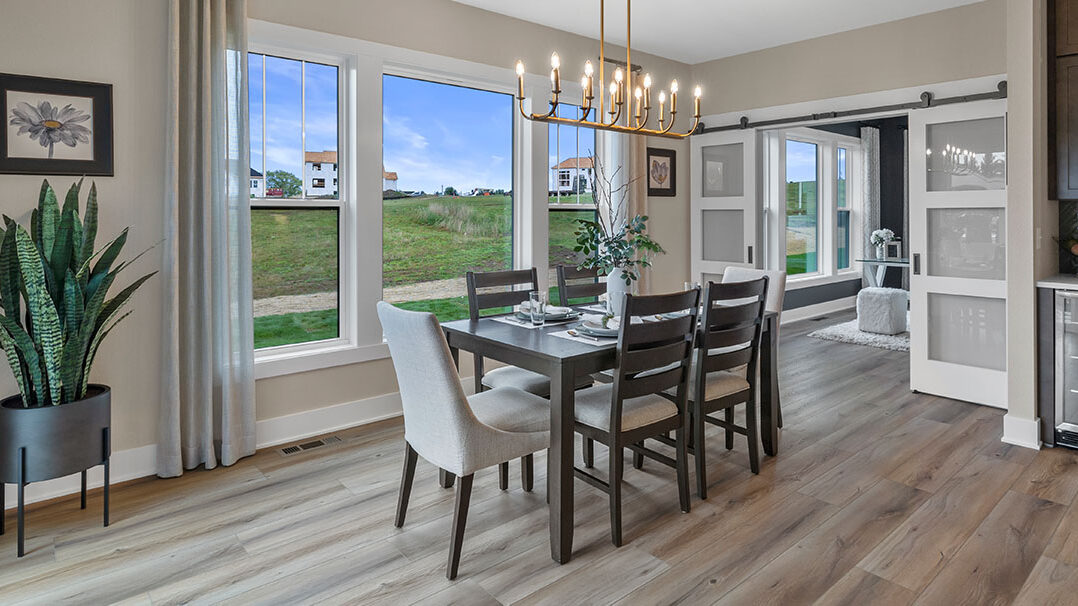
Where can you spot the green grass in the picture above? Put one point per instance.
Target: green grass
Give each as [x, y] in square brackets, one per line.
[299, 327]
[293, 251]
[803, 263]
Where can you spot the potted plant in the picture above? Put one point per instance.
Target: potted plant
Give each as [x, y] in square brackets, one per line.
[880, 238]
[616, 245]
[54, 288]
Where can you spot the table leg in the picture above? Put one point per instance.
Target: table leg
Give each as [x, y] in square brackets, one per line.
[560, 463]
[881, 273]
[769, 389]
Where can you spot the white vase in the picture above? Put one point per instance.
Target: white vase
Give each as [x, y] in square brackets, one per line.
[881, 251]
[616, 289]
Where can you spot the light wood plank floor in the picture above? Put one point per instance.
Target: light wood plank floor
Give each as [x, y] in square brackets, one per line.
[878, 496]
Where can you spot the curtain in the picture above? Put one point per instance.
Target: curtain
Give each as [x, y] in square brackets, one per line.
[207, 405]
[870, 142]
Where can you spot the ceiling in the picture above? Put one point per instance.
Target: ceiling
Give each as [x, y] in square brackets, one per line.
[694, 31]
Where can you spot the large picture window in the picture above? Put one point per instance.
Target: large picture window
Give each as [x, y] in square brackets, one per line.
[447, 205]
[572, 189]
[295, 204]
[802, 218]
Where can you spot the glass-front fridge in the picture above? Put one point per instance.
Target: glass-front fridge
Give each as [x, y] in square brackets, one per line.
[1066, 368]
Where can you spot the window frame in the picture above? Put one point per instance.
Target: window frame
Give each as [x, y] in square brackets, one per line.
[827, 143]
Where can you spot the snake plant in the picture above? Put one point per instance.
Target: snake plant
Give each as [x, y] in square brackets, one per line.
[54, 295]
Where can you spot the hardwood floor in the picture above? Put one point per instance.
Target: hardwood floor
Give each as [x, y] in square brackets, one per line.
[878, 496]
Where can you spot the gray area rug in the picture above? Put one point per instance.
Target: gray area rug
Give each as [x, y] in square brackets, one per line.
[847, 332]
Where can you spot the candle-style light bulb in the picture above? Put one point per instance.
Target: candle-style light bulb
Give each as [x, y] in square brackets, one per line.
[588, 69]
[673, 98]
[928, 151]
[555, 60]
[584, 85]
[696, 94]
[613, 97]
[639, 94]
[520, 68]
[673, 87]
[647, 80]
[662, 102]
[618, 75]
[520, 79]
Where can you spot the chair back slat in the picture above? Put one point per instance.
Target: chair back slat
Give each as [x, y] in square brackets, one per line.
[585, 285]
[733, 316]
[655, 357]
[642, 385]
[656, 332]
[510, 280]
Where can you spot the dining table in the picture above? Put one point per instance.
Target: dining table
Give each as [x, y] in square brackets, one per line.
[564, 360]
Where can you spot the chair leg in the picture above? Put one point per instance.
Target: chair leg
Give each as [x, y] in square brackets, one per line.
[729, 433]
[407, 476]
[616, 454]
[589, 453]
[682, 435]
[527, 472]
[638, 459]
[445, 479]
[752, 435]
[778, 407]
[503, 475]
[699, 453]
[460, 518]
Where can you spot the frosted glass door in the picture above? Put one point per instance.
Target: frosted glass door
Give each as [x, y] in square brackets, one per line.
[723, 202]
[958, 243]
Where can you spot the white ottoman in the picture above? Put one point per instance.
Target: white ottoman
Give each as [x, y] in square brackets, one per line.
[882, 310]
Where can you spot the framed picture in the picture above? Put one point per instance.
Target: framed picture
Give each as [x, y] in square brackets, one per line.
[55, 127]
[662, 172]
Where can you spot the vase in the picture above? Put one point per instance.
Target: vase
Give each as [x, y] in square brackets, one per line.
[881, 251]
[616, 289]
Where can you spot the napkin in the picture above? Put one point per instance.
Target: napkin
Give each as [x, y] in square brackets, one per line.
[525, 306]
[614, 323]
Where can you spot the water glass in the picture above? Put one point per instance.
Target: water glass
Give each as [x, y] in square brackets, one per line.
[691, 285]
[537, 307]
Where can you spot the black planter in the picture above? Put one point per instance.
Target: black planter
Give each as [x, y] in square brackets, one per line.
[54, 441]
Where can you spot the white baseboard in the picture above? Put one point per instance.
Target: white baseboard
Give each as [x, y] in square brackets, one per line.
[1022, 432]
[141, 462]
[819, 309]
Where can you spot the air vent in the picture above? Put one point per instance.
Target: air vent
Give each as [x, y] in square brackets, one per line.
[293, 449]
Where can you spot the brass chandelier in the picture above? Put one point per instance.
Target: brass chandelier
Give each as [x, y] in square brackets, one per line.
[618, 118]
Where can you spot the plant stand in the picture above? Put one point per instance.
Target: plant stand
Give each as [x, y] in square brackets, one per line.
[38, 444]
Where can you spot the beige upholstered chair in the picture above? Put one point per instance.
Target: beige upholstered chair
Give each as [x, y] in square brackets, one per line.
[776, 293]
[456, 433]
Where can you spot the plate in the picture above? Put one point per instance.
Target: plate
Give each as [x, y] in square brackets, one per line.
[597, 330]
[550, 317]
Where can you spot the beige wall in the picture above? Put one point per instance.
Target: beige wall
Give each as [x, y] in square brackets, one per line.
[948, 45]
[124, 43]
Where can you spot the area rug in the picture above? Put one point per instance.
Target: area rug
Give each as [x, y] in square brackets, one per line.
[847, 332]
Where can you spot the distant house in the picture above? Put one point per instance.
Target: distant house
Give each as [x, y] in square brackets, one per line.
[572, 176]
[258, 184]
[389, 180]
[320, 174]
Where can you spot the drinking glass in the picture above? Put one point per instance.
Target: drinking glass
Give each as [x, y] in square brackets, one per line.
[537, 307]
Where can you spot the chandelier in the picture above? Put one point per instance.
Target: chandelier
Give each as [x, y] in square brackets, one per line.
[622, 116]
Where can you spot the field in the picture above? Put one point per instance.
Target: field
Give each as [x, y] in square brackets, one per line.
[425, 239]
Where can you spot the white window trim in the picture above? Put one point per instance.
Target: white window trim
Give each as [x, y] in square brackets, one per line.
[827, 213]
[360, 146]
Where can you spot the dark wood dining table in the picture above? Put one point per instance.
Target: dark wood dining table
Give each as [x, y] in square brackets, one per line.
[563, 360]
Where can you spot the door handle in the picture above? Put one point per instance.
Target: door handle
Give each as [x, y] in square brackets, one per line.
[916, 264]
[750, 254]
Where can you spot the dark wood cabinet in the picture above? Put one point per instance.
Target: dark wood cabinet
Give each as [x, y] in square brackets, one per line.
[1066, 127]
[1066, 25]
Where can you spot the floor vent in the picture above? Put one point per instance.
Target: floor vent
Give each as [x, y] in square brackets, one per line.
[290, 450]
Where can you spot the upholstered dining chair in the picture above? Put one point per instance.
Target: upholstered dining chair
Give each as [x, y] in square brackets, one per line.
[456, 433]
[513, 288]
[724, 368]
[575, 283]
[652, 356]
[776, 293]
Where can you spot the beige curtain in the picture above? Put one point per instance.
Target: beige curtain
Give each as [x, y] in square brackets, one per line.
[638, 193]
[207, 405]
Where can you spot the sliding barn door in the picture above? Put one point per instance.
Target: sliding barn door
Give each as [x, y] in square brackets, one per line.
[958, 215]
[723, 202]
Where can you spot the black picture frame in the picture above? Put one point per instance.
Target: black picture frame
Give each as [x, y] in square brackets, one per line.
[667, 157]
[101, 164]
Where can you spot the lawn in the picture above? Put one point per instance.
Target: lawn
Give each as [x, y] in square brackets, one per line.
[424, 239]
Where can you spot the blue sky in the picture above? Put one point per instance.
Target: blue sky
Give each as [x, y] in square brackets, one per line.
[800, 161]
[433, 135]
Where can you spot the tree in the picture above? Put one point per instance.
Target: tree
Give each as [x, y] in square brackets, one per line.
[289, 184]
[450, 191]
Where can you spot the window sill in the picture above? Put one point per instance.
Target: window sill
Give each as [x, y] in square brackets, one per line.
[819, 280]
[270, 363]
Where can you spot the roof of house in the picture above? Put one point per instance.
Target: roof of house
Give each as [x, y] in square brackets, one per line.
[322, 156]
[255, 174]
[577, 163]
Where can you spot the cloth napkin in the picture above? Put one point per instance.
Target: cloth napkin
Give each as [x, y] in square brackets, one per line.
[613, 324]
[525, 306]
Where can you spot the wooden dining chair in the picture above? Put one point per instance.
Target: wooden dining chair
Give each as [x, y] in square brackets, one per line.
[457, 433]
[776, 292]
[724, 368]
[651, 357]
[576, 283]
[497, 290]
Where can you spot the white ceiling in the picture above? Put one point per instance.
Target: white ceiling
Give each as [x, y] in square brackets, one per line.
[694, 31]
